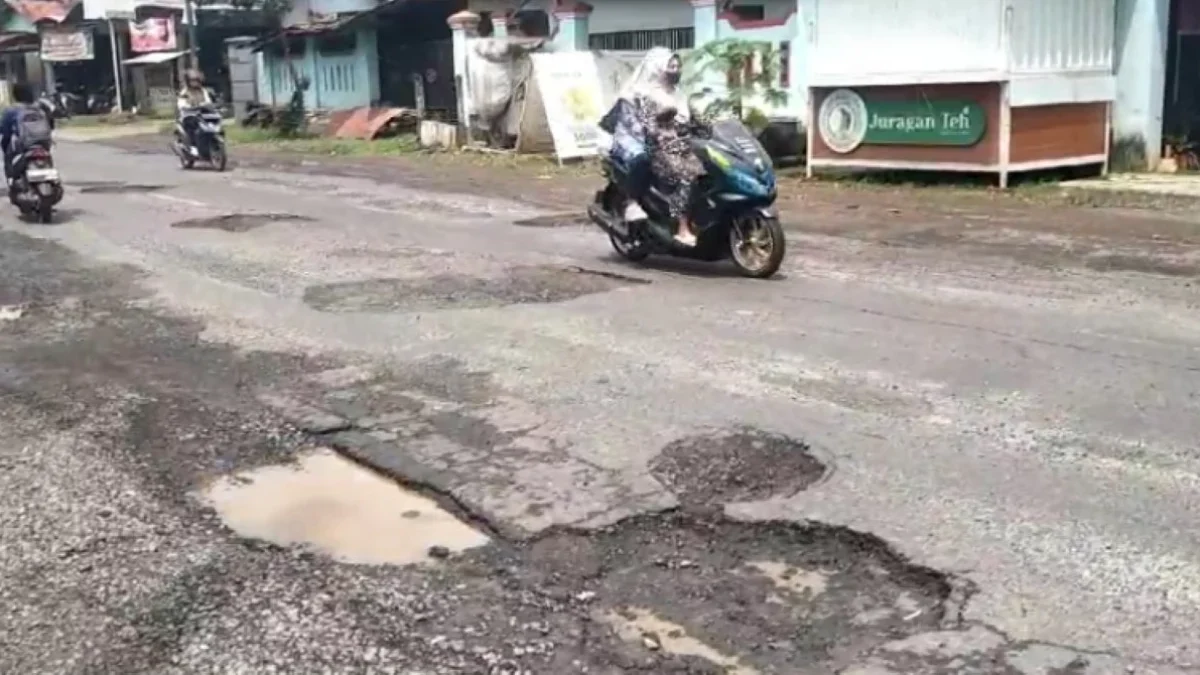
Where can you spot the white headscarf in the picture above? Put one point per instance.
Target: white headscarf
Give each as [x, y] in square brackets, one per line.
[649, 80]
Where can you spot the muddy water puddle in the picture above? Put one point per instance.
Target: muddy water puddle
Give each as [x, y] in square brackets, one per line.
[327, 503]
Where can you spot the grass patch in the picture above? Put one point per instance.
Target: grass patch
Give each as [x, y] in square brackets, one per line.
[540, 166]
[543, 166]
[93, 121]
[320, 145]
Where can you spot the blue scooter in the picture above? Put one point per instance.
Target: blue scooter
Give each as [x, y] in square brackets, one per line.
[733, 213]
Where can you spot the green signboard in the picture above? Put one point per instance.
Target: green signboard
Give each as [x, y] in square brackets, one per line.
[924, 123]
[847, 120]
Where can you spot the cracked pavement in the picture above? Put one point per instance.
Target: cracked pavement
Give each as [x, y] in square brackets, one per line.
[894, 459]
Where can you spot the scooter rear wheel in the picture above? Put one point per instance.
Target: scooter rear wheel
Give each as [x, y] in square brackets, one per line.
[217, 156]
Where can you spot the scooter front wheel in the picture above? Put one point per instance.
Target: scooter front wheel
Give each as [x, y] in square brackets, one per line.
[757, 245]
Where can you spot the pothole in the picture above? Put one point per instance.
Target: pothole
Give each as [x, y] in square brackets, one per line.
[742, 465]
[555, 220]
[114, 187]
[1114, 262]
[518, 285]
[695, 593]
[331, 505]
[237, 222]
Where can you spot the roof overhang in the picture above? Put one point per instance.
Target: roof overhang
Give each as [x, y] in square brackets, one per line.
[153, 58]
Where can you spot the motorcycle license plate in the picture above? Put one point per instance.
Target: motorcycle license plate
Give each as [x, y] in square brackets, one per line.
[210, 128]
[41, 175]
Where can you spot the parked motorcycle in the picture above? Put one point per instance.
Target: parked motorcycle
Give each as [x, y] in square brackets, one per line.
[734, 217]
[209, 136]
[53, 104]
[101, 102]
[36, 187]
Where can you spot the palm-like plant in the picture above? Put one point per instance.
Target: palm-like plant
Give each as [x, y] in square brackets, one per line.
[751, 71]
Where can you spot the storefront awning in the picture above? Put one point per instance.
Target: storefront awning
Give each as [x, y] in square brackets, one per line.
[19, 42]
[153, 58]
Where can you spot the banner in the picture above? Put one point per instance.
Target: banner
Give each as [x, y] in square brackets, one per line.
[152, 35]
[73, 44]
[573, 98]
[43, 10]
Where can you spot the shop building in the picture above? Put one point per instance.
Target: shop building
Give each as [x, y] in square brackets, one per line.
[981, 86]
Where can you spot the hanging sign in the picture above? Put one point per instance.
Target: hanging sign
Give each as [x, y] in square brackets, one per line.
[67, 44]
[846, 120]
[152, 35]
[43, 10]
[569, 84]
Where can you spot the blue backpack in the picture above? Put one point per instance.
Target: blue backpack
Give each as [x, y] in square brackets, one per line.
[628, 134]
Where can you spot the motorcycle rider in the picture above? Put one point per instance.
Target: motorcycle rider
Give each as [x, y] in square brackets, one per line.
[193, 95]
[664, 111]
[22, 127]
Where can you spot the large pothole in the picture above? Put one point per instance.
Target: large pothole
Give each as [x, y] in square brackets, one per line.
[326, 503]
[707, 594]
[518, 285]
[237, 222]
[708, 471]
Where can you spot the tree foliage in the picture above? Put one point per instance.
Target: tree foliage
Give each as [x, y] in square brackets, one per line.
[751, 74]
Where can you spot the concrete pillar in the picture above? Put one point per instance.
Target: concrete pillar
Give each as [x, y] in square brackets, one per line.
[463, 26]
[705, 29]
[49, 81]
[704, 21]
[312, 69]
[572, 17]
[1141, 68]
[368, 41]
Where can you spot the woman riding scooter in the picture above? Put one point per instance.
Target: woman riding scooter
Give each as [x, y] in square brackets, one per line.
[664, 112]
[193, 96]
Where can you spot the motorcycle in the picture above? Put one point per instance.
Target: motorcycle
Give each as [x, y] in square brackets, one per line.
[210, 139]
[36, 187]
[54, 106]
[733, 215]
[101, 102]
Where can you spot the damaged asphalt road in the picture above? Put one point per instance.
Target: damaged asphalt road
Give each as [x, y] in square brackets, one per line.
[567, 482]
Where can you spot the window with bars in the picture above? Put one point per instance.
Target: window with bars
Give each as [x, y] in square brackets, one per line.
[642, 40]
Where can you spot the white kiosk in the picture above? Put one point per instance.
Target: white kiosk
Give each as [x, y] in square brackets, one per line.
[989, 86]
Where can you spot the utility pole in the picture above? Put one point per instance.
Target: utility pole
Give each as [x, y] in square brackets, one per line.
[116, 62]
[189, 17]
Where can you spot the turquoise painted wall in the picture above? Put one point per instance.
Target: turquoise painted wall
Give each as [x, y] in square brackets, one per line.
[339, 81]
[16, 23]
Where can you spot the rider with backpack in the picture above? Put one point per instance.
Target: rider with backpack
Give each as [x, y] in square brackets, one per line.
[22, 127]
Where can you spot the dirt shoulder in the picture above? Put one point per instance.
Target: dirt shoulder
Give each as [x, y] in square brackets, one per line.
[1041, 225]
